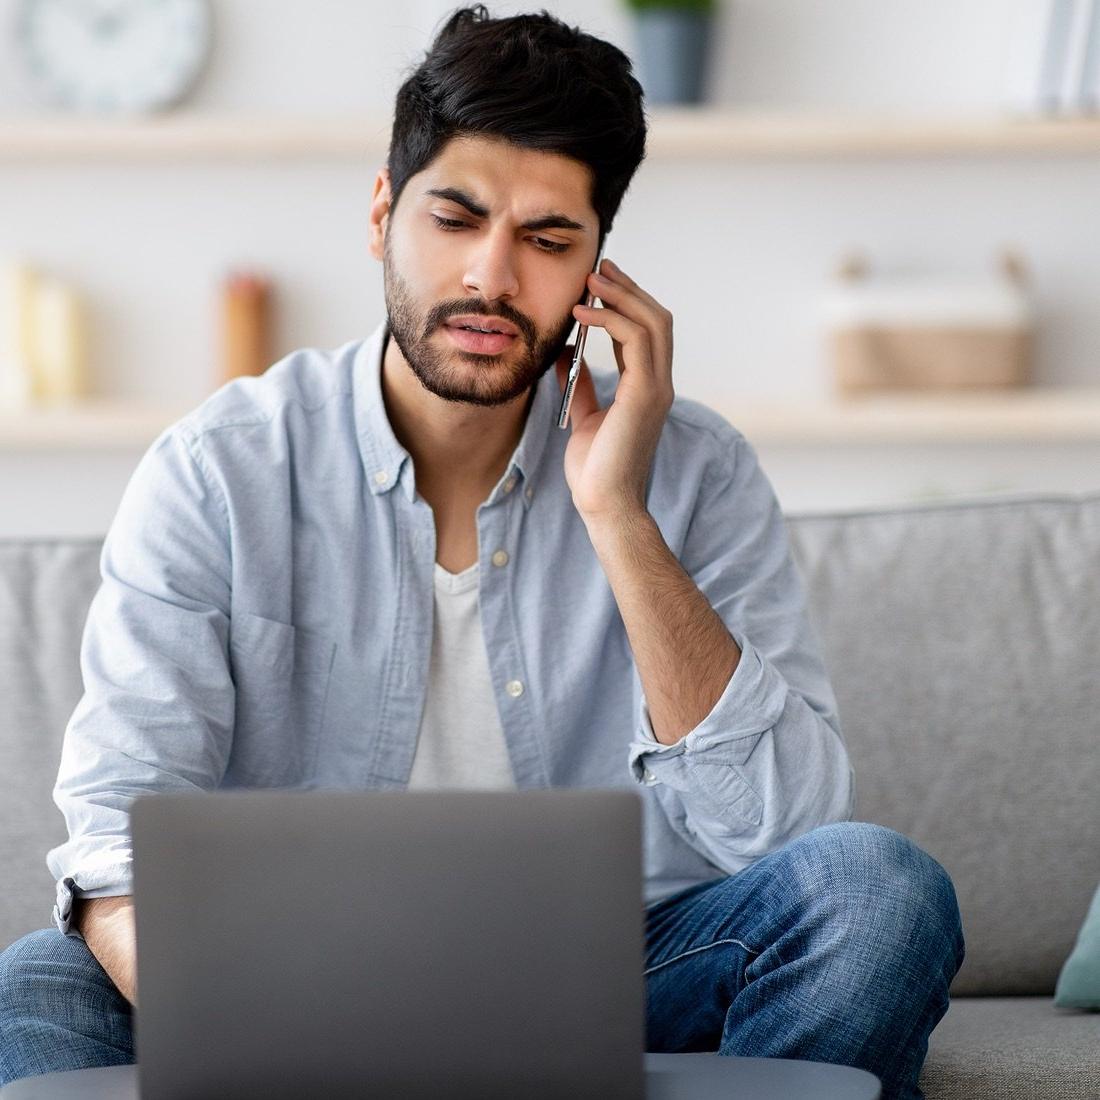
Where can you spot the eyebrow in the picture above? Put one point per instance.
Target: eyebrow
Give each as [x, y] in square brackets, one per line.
[547, 221]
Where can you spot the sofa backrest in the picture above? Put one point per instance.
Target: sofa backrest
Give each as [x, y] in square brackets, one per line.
[962, 641]
[45, 589]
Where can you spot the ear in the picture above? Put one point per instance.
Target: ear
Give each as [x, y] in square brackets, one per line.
[379, 213]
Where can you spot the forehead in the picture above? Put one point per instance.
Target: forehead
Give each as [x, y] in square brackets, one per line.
[502, 174]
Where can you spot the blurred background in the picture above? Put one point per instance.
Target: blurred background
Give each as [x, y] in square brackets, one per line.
[875, 222]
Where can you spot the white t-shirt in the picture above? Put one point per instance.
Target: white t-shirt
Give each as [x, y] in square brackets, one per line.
[461, 743]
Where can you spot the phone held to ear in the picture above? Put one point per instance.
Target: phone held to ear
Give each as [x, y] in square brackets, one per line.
[578, 353]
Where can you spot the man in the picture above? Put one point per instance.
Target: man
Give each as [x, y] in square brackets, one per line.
[385, 566]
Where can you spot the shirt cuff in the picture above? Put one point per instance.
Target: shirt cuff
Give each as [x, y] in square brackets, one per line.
[751, 703]
[106, 882]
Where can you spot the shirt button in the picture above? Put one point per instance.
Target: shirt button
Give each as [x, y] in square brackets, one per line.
[514, 688]
[510, 484]
[381, 477]
[500, 557]
[530, 492]
[649, 777]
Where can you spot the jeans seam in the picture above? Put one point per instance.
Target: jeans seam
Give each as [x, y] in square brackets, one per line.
[695, 951]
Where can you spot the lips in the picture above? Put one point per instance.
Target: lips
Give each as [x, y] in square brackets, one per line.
[484, 322]
[480, 343]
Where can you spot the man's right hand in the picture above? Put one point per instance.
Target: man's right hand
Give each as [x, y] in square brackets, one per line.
[107, 925]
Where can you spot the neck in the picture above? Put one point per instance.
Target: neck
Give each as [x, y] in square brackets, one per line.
[459, 451]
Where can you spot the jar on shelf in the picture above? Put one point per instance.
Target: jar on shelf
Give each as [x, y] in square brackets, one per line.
[246, 318]
[43, 339]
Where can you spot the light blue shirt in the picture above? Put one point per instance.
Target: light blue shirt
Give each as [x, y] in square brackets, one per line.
[265, 620]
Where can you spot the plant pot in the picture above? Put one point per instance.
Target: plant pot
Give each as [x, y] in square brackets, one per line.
[672, 54]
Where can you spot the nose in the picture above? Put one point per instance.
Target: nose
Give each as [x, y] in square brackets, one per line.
[491, 270]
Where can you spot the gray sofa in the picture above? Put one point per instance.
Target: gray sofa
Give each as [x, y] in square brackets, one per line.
[963, 642]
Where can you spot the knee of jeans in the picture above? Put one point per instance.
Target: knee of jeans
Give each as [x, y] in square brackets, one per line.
[861, 856]
[21, 969]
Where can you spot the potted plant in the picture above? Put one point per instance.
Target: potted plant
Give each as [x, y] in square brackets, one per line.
[672, 37]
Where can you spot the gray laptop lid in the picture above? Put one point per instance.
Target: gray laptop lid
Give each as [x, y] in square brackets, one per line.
[389, 943]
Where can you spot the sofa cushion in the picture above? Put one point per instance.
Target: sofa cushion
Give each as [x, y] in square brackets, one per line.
[1012, 1048]
[961, 639]
[1079, 982]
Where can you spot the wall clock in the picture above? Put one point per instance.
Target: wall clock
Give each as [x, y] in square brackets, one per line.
[113, 56]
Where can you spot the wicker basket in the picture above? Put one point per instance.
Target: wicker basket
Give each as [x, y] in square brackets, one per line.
[920, 335]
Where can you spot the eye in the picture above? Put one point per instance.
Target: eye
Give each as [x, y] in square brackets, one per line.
[447, 223]
[450, 225]
[551, 246]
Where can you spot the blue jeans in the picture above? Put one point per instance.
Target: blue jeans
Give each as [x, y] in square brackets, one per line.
[839, 947]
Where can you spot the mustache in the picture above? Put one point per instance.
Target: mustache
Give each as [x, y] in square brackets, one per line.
[439, 315]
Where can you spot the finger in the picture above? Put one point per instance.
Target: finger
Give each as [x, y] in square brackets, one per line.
[659, 320]
[637, 308]
[615, 274]
[630, 334]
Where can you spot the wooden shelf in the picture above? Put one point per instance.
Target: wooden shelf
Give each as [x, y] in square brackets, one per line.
[1050, 415]
[1037, 415]
[700, 132]
[99, 425]
[718, 133]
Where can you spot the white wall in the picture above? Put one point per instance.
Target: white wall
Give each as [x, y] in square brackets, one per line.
[738, 250]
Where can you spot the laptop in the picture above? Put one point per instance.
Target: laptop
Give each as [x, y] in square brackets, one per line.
[389, 944]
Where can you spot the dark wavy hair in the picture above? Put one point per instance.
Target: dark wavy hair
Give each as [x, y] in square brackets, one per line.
[532, 80]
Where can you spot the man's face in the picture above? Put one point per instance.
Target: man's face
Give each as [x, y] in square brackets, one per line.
[443, 261]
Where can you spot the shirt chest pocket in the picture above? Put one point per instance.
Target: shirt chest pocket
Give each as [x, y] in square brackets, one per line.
[282, 674]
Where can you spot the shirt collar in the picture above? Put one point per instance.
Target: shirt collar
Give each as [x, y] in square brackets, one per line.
[384, 457]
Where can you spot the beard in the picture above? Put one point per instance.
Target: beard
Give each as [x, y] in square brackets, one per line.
[457, 375]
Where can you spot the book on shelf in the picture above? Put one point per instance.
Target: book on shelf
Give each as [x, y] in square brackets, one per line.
[1088, 74]
[1075, 76]
[1055, 55]
[1071, 58]
[1053, 58]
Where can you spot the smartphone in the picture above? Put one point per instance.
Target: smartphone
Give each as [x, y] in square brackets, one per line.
[578, 353]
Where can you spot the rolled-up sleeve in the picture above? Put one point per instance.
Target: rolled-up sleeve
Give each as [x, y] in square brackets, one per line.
[158, 703]
[768, 762]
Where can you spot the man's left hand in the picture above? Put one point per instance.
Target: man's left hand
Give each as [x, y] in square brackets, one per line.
[610, 451]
